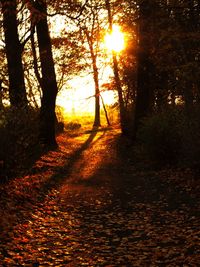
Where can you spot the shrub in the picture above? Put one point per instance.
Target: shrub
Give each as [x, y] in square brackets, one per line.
[18, 139]
[60, 127]
[171, 137]
[160, 136]
[73, 126]
[190, 132]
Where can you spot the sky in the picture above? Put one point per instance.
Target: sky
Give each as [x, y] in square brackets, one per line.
[79, 96]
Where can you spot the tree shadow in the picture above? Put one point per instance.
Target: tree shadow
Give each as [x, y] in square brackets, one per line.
[63, 172]
[59, 176]
[131, 184]
[141, 183]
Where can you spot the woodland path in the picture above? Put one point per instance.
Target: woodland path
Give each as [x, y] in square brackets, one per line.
[90, 204]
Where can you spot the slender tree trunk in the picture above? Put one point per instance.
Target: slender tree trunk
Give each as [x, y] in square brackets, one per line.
[49, 84]
[122, 110]
[17, 91]
[1, 95]
[106, 113]
[97, 121]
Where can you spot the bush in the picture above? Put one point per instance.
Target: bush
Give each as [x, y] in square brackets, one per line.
[160, 137]
[60, 127]
[73, 126]
[190, 133]
[18, 139]
[171, 137]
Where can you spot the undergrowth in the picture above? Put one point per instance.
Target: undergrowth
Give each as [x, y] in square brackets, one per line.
[18, 140]
[171, 137]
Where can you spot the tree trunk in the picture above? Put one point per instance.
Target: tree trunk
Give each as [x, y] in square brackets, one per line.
[97, 121]
[145, 79]
[1, 95]
[35, 61]
[17, 91]
[144, 90]
[106, 113]
[49, 84]
[122, 110]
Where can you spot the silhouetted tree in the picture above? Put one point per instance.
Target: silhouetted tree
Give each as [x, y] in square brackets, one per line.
[17, 91]
[48, 81]
[145, 69]
[96, 78]
[122, 111]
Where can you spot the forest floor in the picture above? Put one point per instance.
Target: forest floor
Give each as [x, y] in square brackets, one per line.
[91, 203]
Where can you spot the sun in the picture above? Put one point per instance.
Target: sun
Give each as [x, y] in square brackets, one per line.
[114, 41]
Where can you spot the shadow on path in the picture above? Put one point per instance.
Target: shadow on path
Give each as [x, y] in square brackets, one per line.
[26, 203]
[62, 173]
[143, 184]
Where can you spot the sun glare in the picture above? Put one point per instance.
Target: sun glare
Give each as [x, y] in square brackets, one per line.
[114, 41]
[79, 97]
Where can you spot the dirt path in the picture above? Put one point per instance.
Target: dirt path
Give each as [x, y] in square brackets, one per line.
[88, 205]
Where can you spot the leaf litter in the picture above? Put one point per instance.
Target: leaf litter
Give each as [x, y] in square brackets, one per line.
[86, 204]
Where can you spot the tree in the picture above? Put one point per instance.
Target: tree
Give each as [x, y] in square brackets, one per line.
[145, 65]
[88, 31]
[48, 82]
[90, 40]
[17, 91]
[122, 110]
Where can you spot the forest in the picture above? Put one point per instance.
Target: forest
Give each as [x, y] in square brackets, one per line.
[155, 77]
[109, 89]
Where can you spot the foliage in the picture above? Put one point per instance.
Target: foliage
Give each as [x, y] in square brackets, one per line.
[171, 137]
[73, 126]
[190, 130]
[18, 139]
[165, 34]
[160, 136]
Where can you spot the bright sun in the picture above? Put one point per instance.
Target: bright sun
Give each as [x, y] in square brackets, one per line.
[114, 41]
